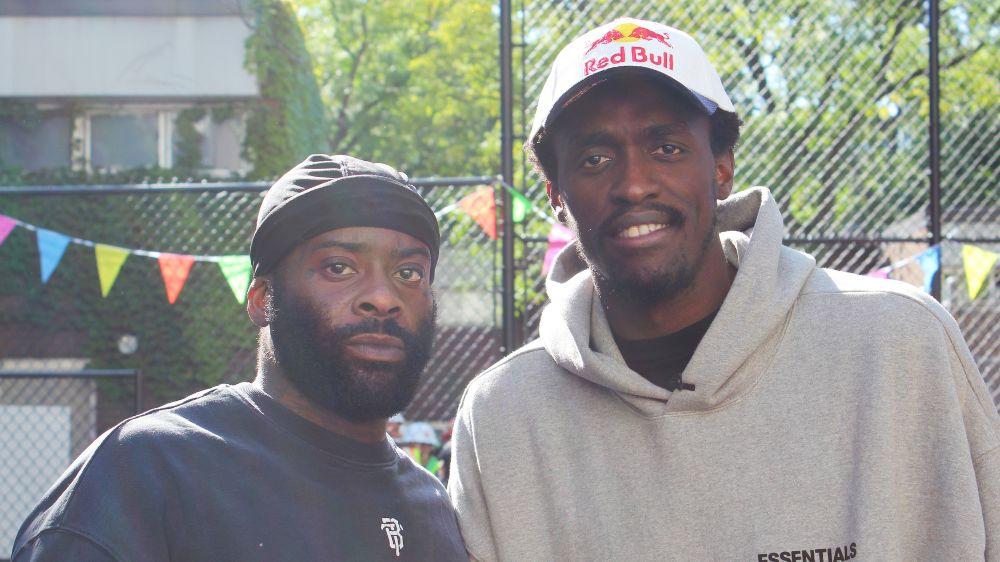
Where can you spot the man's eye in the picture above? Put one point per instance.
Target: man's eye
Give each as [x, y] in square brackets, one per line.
[668, 149]
[340, 269]
[410, 274]
[594, 161]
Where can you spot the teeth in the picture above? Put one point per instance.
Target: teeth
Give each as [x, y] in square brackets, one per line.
[640, 230]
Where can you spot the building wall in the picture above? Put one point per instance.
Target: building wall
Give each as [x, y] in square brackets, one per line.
[124, 57]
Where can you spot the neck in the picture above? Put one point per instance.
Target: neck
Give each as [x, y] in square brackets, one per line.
[635, 321]
[273, 382]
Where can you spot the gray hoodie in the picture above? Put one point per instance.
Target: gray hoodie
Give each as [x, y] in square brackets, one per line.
[834, 417]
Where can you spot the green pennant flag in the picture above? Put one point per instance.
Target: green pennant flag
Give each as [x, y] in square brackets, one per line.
[236, 270]
[109, 263]
[520, 206]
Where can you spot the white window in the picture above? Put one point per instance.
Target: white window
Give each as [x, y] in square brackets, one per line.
[114, 138]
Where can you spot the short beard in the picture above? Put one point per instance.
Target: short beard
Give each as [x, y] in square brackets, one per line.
[313, 359]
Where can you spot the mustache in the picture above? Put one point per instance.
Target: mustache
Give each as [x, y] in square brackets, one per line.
[673, 214]
[389, 327]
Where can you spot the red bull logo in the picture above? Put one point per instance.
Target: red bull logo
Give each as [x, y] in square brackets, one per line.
[629, 32]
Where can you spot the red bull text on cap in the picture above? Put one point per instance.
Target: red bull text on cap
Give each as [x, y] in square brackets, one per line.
[630, 43]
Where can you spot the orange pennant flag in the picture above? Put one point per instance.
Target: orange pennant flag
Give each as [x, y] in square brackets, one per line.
[482, 207]
[175, 269]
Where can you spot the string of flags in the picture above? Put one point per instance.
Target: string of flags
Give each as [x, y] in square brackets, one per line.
[480, 205]
[977, 263]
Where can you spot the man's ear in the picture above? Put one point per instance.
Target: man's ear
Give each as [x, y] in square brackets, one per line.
[257, 296]
[725, 169]
[556, 201]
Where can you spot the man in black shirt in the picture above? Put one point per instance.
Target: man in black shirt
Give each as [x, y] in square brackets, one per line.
[296, 465]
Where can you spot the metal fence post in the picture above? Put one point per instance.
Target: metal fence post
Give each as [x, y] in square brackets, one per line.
[507, 172]
[934, 132]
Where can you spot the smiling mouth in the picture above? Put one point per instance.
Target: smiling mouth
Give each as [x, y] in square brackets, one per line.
[637, 230]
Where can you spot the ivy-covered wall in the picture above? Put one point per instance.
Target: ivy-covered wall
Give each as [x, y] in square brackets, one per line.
[288, 123]
[205, 337]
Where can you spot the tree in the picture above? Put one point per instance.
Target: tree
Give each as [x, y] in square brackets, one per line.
[413, 84]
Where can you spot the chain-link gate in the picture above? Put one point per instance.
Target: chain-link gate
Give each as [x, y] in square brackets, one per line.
[48, 418]
[838, 118]
[205, 337]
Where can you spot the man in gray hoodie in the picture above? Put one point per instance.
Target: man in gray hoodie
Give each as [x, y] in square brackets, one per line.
[700, 391]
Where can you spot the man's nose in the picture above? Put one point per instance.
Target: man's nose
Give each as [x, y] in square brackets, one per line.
[635, 182]
[379, 299]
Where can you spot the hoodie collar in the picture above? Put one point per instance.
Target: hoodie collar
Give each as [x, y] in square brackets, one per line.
[575, 331]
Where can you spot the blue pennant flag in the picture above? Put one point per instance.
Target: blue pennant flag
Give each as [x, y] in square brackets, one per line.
[930, 262]
[51, 246]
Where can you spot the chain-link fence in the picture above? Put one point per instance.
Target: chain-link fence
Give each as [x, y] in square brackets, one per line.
[48, 418]
[205, 337]
[837, 106]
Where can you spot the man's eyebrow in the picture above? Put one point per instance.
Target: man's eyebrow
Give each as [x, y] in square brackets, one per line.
[592, 139]
[403, 253]
[666, 130]
[349, 246]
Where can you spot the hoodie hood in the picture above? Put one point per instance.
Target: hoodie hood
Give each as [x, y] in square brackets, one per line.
[575, 331]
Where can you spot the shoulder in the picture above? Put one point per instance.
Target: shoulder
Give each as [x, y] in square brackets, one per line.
[131, 468]
[883, 301]
[183, 419]
[523, 371]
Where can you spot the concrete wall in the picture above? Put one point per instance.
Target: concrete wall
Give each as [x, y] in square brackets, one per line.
[119, 57]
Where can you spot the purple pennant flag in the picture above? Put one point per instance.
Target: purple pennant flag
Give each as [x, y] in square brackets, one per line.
[51, 246]
[6, 225]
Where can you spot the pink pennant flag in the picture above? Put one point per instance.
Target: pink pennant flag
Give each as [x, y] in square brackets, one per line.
[6, 225]
[559, 236]
[175, 269]
[880, 273]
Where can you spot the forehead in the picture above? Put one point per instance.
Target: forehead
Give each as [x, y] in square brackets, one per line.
[629, 101]
[370, 241]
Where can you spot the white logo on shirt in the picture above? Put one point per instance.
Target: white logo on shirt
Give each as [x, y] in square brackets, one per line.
[394, 533]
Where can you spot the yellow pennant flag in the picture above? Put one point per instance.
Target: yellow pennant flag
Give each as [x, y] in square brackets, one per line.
[978, 265]
[109, 263]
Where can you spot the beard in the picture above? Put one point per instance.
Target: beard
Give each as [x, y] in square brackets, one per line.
[647, 285]
[312, 356]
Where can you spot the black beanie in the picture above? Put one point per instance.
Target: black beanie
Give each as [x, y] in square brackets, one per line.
[329, 192]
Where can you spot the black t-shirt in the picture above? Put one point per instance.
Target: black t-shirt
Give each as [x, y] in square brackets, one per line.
[231, 474]
[662, 360]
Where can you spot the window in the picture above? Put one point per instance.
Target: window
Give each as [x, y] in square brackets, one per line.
[124, 141]
[36, 142]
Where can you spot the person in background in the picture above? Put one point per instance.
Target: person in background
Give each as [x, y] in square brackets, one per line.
[392, 426]
[419, 440]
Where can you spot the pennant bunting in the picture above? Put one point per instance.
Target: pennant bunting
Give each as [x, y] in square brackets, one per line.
[978, 265]
[109, 263]
[51, 247]
[880, 273]
[6, 225]
[481, 206]
[930, 262]
[236, 270]
[175, 269]
[519, 206]
[559, 236]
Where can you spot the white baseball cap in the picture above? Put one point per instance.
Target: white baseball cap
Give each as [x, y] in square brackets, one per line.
[629, 44]
[418, 433]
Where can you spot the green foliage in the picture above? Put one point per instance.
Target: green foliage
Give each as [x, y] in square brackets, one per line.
[412, 84]
[187, 144]
[288, 123]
